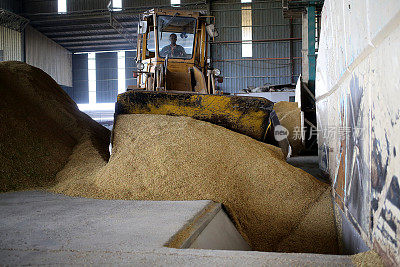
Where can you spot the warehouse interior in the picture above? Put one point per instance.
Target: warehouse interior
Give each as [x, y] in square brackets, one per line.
[199, 132]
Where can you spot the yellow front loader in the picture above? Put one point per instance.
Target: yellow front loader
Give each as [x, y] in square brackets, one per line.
[174, 77]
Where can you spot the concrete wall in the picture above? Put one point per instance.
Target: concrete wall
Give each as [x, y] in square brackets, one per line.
[10, 44]
[47, 55]
[357, 88]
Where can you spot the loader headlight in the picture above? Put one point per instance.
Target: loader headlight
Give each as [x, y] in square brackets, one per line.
[140, 66]
[216, 72]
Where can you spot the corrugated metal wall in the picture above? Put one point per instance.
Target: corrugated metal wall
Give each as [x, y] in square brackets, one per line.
[39, 6]
[11, 5]
[10, 44]
[130, 67]
[78, 5]
[106, 77]
[271, 62]
[80, 88]
[47, 55]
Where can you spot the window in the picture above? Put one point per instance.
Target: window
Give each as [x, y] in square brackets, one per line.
[117, 5]
[175, 2]
[176, 36]
[92, 77]
[151, 44]
[247, 46]
[62, 6]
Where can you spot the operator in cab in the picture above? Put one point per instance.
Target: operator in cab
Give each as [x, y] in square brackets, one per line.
[173, 50]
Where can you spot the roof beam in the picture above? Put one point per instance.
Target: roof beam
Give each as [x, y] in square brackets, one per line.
[82, 21]
[78, 27]
[87, 32]
[93, 40]
[98, 42]
[85, 37]
[69, 17]
[119, 43]
[101, 48]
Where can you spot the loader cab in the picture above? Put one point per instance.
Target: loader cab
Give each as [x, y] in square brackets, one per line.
[172, 51]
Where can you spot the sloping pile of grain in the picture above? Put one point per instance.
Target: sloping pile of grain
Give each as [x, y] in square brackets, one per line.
[368, 258]
[178, 158]
[40, 126]
[289, 117]
[276, 206]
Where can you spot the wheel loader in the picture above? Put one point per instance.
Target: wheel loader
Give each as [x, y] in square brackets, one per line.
[174, 77]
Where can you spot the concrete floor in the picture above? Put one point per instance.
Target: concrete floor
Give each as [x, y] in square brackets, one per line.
[42, 228]
[41, 220]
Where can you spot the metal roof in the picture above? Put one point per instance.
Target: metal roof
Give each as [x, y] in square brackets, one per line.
[88, 32]
[86, 26]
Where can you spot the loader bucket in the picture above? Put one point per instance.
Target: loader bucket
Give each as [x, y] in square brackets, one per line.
[246, 115]
[242, 114]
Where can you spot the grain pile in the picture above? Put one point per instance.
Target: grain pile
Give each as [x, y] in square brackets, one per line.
[290, 118]
[178, 158]
[275, 206]
[40, 126]
[369, 258]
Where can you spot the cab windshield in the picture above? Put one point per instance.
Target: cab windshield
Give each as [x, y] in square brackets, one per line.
[176, 36]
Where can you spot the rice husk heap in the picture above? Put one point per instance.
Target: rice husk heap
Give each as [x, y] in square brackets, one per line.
[289, 116]
[158, 157]
[368, 258]
[40, 126]
[275, 206]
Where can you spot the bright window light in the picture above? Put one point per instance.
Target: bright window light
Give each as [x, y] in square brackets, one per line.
[117, 5]
[247, 49]
[247, 46]
[96, 107]
[62, 6]
[121, 72]
[246, 1]
[175, 2]
[92, 77]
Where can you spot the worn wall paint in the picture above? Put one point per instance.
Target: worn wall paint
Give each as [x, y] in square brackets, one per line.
[49, 56]
[358, 115]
